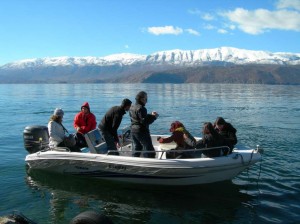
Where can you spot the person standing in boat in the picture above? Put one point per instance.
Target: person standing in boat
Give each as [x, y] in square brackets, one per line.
[110, 123]
[210, 139]
[228, 132]
[140, 121]
[84, 122]
[57, 132]
[178, 130]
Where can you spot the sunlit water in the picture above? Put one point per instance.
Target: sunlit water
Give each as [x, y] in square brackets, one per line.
[263, 114]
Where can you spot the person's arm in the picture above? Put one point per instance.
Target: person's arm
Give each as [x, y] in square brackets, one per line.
[145, 118]
[166, 140]
[115, 125]
[232, 138]
[76, 122]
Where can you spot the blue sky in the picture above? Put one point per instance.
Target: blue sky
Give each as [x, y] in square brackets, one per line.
[54, 28]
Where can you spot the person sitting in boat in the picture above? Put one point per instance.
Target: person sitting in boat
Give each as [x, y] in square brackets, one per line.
[84, 122]
[140, 121]
[57, 132]
[210, 139]
[110, 123]
[228, 132]
[178, 130]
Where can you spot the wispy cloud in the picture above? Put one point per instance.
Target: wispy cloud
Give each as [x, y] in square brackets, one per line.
[222, 31]
[163, 30]
[285, 16]
[209, 27]
[126, 46]
[207, 16]
[195, 12]
[292, 4]
[170, 30]
[262, 20]
[193, 32]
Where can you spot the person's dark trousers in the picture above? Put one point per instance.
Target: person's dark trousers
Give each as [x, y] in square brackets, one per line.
[80, 140]
[142, 142]
[110, 142]
[75, 148]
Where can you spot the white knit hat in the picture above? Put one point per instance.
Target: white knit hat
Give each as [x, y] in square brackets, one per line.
[58, 112]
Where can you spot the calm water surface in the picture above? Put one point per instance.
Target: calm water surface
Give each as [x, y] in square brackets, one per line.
[266, 115]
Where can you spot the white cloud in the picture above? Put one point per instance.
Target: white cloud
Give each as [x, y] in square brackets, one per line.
[232, 27]
[261, 20]
[207, 16]
[163, 30]
[222, 31]
[209, 27]
[195, 12]
[193, 32]
[283, 4]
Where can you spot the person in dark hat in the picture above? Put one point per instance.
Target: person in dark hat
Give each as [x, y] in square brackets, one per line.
[140, 121]
[84, 122]
[110, 123]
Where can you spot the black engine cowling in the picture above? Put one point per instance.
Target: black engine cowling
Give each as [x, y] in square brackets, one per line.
[35, 138]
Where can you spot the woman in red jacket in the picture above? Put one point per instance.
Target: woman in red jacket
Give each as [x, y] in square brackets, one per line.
[84, 122]
[178, 131]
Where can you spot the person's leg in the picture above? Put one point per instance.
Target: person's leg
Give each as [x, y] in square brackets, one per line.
[137, 147]
[80, 140]
[110, 142]
[146, 141]
[74, 148]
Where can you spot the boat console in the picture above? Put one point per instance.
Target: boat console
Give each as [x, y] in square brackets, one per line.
[95, 142]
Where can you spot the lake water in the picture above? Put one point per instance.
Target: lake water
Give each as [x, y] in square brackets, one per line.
[264, 115]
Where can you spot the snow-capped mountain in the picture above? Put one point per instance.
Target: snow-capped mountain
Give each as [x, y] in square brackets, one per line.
[172, 57]
[224, 54]
[222, 65]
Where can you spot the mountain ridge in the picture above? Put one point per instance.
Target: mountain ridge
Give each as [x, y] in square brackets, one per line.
[185, 57]
[175, 66]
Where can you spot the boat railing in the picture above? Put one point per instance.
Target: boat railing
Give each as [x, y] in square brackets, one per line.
[161, 152]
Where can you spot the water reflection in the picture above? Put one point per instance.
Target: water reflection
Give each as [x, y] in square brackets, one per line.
[127, 203]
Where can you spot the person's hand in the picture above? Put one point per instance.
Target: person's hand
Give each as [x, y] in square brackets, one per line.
[78, 128]
[185, 136]
[154, 113]
[118, 145]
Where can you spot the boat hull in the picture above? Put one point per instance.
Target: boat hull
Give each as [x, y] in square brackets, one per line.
[156, 171]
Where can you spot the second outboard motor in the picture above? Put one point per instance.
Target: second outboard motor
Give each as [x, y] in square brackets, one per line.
[36, 138]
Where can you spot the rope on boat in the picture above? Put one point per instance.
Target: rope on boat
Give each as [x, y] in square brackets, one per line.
[260, 165]
[260, 150]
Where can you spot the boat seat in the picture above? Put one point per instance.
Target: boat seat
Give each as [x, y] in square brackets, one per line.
[95, 142]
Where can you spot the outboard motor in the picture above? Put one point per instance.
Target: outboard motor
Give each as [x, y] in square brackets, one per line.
[36, 138]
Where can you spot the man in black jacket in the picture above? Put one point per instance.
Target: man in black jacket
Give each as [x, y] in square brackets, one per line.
[140, 122]
[110, 123]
